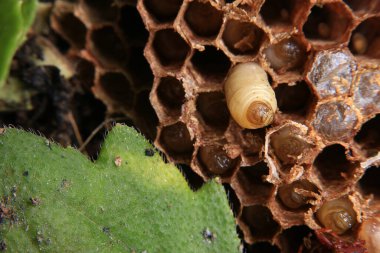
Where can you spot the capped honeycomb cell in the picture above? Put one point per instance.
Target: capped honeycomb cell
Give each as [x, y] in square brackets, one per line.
[213, 110]
[163, 10]
[292, 238]
[171, 93]
[242, 38]
[203, 19]
[250, 183]
[365, 39]
[328, 23]
[369, 183]
[171, 50]
[107, 46]
[335, 120]
[100, 11]
[333, 167]
[294, 99]
[260, 221]
[288, 54]
[211, 63]
[369, 136]
[332, 72]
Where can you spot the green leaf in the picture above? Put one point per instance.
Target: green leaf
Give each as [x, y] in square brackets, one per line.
[56, 200]
[16, 16]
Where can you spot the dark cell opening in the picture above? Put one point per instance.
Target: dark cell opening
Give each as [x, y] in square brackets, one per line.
[369, 183]
[365, 39]
[117, 87]
[147, 121]
[170, 92]
[193, 179]
[108, 47]
[329, 22]
[163, 10]
[332, 163]
[133, 28]
[293, 99]
[140, 68]
[260, 221]
[176, 140]
[85, 73]
[292, 238]
[73, 30]
[211, 63]
[364, 6]
[369, 136]
[279, 12]
[232, 199]
[262, 247]
[101, 10]
[170, 48]
[215, 161]
[203, 19]
[242, 38]
[213, 109]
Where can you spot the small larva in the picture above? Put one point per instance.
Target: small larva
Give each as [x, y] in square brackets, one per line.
[250, 98]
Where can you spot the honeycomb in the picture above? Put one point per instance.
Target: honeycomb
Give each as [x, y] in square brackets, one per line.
[163, 63]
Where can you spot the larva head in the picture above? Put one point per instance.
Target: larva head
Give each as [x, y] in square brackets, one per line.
[250, 98]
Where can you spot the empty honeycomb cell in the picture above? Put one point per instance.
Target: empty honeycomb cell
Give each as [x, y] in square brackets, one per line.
[118, 88]
[176, 140]
[213, 110]
[293, 238]
[250, 185]
[297, 195]
[211, 63]
[100, 10]
[260, 221]
[294, 99]
[332, 72]
[169, 47]
[288, 54]
[363, 6]
[108, 47]
[70, 28]
[369, 136]
[335, 120]
[262, 247]
[329, 22]
[369, 183]
[281, 12]
[203, 19]
[132, 26]
[365, 39]
[163, 10]
[171, 94]
[242, 38]
[367, 90]
[332, 164]
[216, 161]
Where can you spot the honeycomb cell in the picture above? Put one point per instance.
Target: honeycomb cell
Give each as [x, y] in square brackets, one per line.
[367, 91]
[100, 10]
[365, 39]
[108, 47]
[170, 49]
[70, 28]
[329, 23]
[262, 247]
[211, 63]
[335, 120]
[281, 12]
[332, 164]
[363, 6]
[288, 54]
[243, 38]
[293, 238]
[297, 195]
[250, 185]
[176, 140]
[163, 10]
[369, 136]
[260, 221]
[118, 88]
[254, 140]
[294, 99]
[132, 26]
[332, 72]
[213, 110]
[216, 161]
[203, 19]
[170, 92]
[369, 183]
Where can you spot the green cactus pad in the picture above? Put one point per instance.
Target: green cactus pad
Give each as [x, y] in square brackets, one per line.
[54, 199]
